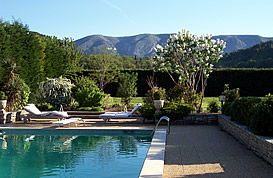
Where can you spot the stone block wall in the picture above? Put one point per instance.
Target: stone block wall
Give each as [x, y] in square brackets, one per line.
[262, 146]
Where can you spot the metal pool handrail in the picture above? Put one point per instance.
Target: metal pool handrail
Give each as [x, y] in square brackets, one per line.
[163, 118]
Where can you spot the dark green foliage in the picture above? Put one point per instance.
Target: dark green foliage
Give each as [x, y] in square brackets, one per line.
[3, 96]
[252, 82]
[149, 96]
[261, 117]
[16, 89]
[231, 95]
[174, 111]
[175, 94]
[99, 109]
[213, 107]
[45, 107]
[147, 111]
[240, 109]
[36, 56]
[25, 48]
[127, 86]
[87, 93]
[227, 108]
[158, 95]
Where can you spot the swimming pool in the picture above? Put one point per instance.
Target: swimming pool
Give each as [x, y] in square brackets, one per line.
[32, 153]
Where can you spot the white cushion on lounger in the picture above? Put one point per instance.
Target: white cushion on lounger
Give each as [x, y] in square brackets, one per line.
[34, 110]
[115, 114]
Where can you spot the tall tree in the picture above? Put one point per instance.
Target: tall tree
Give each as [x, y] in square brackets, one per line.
[104, 63]
[191, 57]
[25, 48]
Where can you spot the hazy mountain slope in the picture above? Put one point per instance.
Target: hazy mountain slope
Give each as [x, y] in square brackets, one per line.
[142, 45]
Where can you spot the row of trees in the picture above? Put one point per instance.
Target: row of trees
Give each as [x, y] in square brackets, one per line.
[27, 59]
[36, 57]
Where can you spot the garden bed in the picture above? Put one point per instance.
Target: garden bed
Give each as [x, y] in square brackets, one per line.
[262, 146]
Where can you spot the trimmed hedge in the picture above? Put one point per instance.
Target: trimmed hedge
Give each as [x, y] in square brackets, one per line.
[255, 113]
[252, 82]
[240, 109]
[147, 111]
[174, 111]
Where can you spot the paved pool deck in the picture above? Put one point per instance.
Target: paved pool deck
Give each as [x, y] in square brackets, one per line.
[196, 151]
[207, 151]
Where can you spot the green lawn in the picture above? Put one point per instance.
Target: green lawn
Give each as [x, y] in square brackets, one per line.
[136, 100]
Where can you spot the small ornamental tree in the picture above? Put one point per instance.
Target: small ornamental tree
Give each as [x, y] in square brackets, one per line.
[56, 91]
[191, 57]
[127, 86]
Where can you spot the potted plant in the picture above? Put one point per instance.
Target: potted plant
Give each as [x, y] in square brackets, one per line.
[158, 101]
[3, 100]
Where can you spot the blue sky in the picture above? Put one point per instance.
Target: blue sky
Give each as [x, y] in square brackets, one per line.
[80, 18]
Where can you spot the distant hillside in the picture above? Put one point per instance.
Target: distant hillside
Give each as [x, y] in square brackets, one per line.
[257, 56]
[142, 45]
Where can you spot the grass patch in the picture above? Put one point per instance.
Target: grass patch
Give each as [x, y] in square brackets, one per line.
[136, 100]
[206, 102]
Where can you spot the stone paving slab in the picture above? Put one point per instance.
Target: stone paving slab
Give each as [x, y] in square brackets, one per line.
[206, 151]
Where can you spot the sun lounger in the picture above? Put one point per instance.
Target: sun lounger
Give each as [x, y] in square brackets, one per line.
[122, 115]
[68, 121]
[34, 112]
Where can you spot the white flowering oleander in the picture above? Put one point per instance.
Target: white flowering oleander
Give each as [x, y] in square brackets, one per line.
[187, 55]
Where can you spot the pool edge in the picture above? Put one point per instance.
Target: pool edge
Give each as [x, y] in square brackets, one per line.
[154, 162]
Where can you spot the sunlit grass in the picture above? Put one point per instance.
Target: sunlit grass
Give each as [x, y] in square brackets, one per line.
[136, 100]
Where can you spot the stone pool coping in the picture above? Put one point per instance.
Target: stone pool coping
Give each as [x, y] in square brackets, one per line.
[154, 163]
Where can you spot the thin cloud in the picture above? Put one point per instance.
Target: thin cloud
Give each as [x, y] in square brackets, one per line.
[120, 10]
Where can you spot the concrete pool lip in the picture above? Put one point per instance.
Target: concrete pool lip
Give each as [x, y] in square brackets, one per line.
[154, 163]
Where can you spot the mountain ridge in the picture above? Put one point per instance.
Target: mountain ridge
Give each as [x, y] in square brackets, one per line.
[142, 45]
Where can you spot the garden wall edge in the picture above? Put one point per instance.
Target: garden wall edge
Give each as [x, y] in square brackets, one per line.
[262, 146]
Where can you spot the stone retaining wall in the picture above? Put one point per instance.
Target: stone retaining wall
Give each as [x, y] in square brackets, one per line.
[262, 146]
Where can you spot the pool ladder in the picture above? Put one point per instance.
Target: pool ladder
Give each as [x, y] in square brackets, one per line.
[163, 118]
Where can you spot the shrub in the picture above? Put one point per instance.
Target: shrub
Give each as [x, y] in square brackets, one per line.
[24, 95]
[175, 94]
[3, 96]
[213, 107]
[174, 111]
[183, 94]
[56, 91]
[87, 93]
[231, 95]
[149, 99]
[45, 107]
[158, 95]
[261, 117]
[127, 86]
[147, 111]
[108, 101]
[99, 109]
[227, 108]
[240, 109]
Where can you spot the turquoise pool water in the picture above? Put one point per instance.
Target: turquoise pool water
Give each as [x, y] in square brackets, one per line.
[70, 154]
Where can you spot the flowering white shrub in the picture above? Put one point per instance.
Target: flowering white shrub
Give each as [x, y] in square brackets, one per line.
[57, 91]
[191, 57]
